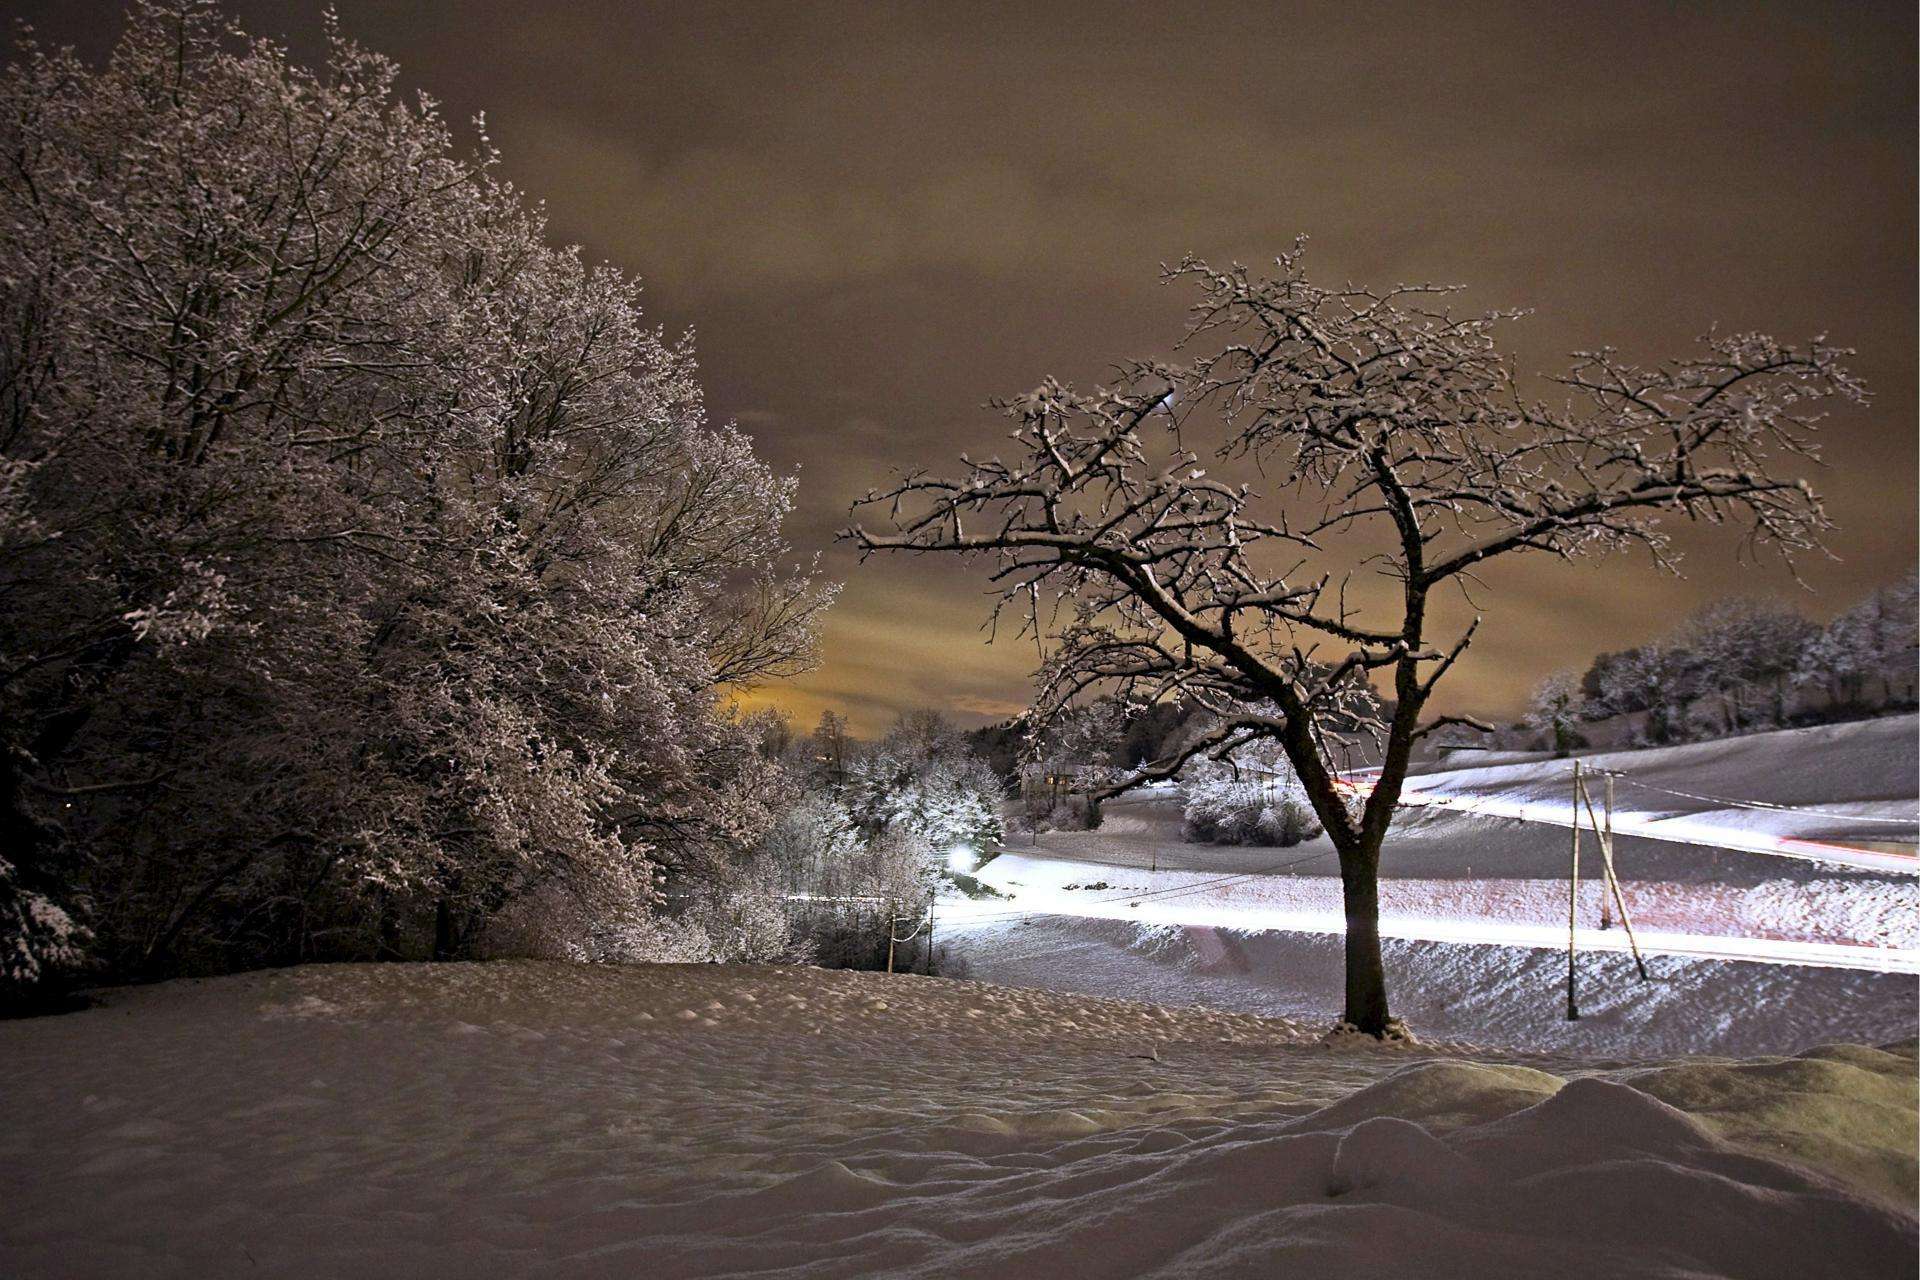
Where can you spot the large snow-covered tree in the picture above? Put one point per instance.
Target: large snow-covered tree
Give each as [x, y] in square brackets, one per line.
[1389, 436]
[366, 561]
[1553, 708]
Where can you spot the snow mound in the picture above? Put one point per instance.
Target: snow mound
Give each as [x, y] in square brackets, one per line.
[1443, 1095]
[1847, 1109]
[1388, 1151]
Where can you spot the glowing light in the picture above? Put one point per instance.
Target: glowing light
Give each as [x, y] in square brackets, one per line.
[960, 859]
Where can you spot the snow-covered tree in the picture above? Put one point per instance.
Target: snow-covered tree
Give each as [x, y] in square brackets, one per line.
[1249, 795]
[1393, 442]
[1067, 757]
[922, 778]
[831, 746]
[1661, 679]
[1875, 639]
[1745, 652]
[368, 562]
[1554, 709]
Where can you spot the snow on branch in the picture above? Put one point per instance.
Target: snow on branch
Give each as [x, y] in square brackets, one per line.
[1193, 529]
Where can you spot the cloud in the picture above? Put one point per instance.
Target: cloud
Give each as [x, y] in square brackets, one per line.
[879, 216]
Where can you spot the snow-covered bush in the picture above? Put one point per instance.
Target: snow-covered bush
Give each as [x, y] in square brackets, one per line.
[1222, 806]
[551, 923]
[40, 941]
[750, 925]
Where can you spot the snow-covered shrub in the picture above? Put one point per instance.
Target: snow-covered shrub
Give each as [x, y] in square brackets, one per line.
[40, 941]
[1073, 811]
[751, 926]
[1222, 807]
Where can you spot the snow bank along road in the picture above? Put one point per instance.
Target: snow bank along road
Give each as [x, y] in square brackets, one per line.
[532, 1119]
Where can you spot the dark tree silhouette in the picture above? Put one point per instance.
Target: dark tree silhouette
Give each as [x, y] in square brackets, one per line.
[1390, 437]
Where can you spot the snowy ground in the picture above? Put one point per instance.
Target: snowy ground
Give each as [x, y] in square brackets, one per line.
[1834, 923]
[535, 1119]
[1474, 906]
[1838, 781]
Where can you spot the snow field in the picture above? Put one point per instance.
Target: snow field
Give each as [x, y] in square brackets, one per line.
[520, 1118]
[1800, 793]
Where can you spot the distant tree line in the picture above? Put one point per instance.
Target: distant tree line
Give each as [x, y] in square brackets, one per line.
[1737, 665]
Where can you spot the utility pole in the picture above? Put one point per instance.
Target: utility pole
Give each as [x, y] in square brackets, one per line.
[1573, 898]
[1606, 854]
[1612, 885]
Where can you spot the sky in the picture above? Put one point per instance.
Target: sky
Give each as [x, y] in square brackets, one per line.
[876, 217]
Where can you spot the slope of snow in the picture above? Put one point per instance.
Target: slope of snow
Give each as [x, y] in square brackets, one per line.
[535, 1119]
[1460, 840]
[1785, 792]
[1486, 995]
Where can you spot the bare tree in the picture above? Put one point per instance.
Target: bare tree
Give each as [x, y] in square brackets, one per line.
[1392, 442]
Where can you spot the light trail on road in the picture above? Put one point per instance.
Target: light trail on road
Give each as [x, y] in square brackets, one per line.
[1168, 908]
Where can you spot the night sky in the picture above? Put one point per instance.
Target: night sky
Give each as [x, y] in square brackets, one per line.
[876, 217]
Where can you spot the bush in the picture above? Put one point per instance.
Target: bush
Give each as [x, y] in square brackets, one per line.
[1221, 809]
[1073, 813]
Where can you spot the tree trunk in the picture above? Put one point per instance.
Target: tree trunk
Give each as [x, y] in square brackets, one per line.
[1366, 1006]
[444, 941]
